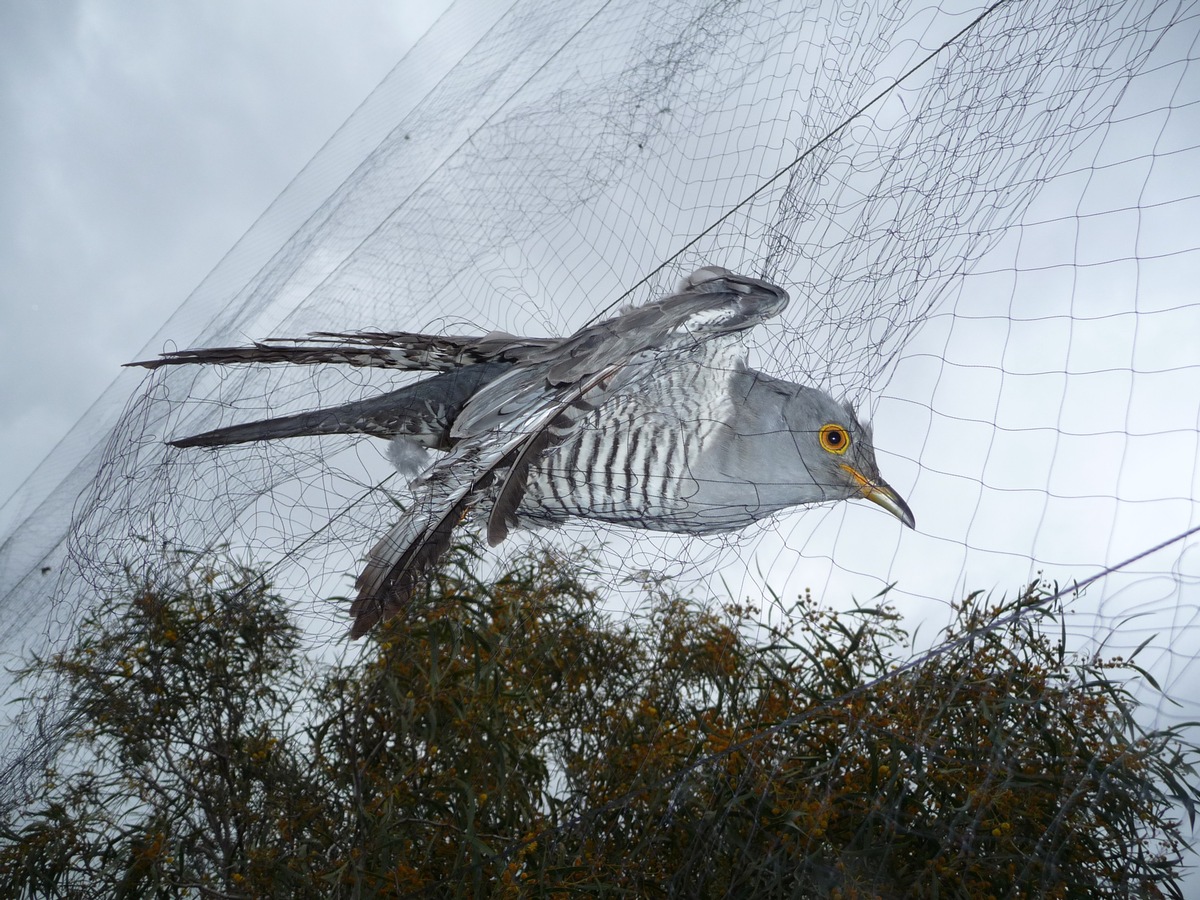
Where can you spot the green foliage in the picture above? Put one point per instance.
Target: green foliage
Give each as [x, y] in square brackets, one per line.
[176, 765]
[509, 739]
[438, 754]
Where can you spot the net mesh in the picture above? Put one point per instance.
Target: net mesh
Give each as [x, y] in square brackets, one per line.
[985, 217]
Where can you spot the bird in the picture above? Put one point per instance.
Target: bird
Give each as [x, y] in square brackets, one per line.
[651, 418]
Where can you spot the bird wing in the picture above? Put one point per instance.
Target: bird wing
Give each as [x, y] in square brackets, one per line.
[511, 421]
[710, 303]
[609, 356]
[444, 494]
[372, 349]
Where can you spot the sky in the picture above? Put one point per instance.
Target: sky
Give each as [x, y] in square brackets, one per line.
[139, 140]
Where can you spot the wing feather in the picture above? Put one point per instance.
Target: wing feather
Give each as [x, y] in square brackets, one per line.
[411, 547]
[369, 349]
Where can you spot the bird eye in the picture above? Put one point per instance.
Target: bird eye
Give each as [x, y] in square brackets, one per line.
[834, 438]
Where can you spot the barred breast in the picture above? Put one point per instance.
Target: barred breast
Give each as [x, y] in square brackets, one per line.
[631, 461]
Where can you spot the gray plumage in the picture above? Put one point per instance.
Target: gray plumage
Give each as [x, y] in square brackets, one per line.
[650, 419]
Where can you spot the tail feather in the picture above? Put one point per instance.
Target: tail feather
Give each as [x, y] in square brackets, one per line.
[299, 425]
[423, 411]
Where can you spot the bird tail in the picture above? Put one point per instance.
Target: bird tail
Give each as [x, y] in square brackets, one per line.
[326, 421]
[423, 411]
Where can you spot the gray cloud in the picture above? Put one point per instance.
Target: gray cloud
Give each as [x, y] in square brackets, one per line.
[140, 140]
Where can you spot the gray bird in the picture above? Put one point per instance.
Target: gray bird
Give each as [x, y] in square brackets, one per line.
[651, 419]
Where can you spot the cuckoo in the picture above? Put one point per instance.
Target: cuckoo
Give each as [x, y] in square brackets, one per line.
[651, 418]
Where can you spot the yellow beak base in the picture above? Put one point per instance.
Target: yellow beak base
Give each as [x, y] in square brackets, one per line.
[882, 494]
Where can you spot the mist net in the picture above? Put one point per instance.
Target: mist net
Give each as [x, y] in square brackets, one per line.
[985, 217]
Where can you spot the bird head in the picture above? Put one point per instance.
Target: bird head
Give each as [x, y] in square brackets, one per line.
[837, 452]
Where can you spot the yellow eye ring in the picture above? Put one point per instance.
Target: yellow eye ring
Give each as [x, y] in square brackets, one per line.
[834, 438]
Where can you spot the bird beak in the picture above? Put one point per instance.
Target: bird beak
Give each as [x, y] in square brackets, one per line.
[881, 493]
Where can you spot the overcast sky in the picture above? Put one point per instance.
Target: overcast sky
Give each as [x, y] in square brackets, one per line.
[138, 141]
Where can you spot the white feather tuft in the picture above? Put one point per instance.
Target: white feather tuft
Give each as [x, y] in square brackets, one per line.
[408, 457]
